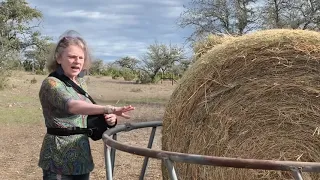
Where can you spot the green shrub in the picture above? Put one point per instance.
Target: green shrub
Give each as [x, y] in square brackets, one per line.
[144, 78]
[116, 75]
[106, 72]
[128, 75]
[156, 79]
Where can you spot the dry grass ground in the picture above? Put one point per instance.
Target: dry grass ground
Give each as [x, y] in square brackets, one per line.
[22, 126]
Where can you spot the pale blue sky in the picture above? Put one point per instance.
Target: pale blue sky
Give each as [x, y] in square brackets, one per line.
[115, 28]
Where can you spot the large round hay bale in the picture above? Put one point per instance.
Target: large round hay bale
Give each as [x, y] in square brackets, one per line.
[256, 96]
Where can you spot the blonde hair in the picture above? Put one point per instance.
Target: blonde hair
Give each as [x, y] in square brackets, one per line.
[52, 64]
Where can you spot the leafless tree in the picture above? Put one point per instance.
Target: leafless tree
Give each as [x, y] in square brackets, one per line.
[238, 17]
[219, 16]
[294, 14]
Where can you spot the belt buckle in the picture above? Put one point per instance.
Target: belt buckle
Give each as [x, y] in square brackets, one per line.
[90, 132]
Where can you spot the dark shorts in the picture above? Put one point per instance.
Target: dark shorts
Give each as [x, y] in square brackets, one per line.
[48, 175]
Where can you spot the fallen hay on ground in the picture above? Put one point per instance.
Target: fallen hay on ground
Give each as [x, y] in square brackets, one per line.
[256, 96]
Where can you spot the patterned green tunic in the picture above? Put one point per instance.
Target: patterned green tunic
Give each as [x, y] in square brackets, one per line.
[68, 155]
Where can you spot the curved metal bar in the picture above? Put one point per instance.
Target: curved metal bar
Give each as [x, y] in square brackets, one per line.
[202, 159]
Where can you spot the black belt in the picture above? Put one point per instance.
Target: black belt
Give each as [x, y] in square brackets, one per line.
[69, 131]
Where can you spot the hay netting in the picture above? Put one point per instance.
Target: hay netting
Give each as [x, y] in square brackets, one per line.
[257, 96]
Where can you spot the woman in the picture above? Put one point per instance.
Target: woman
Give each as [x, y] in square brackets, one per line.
[69, 157]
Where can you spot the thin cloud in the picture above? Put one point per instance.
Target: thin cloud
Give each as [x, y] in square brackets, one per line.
[115, 28]
[85, 14]
[95, 15]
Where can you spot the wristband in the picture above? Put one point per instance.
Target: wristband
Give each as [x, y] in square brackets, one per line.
[109, 109]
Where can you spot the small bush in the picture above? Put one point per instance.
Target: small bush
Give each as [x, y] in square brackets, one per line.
[105, 73]
[156, 79]
[144, 78]
[33, 81]
[116, 75]
[110, 72]
[128, 75]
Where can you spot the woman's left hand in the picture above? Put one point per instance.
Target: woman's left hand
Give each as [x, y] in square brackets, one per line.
[111, 119]
[120, 111]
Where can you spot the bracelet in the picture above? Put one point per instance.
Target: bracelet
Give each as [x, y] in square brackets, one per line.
[109, 109]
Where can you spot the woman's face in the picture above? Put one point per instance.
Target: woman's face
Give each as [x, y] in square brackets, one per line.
[71, 61]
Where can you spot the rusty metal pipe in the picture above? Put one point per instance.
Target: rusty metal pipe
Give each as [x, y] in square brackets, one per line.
[202, 159]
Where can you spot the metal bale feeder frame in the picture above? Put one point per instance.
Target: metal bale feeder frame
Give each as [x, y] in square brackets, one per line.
[111, 145]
